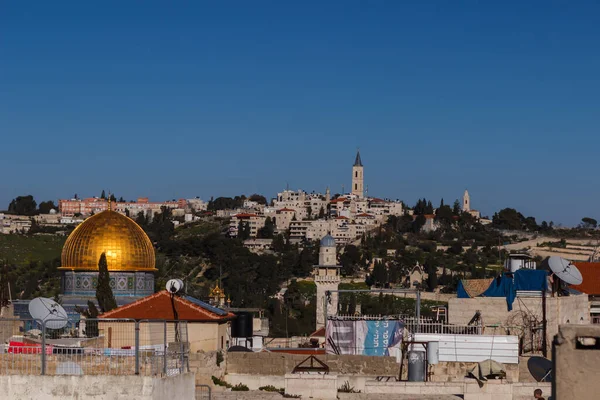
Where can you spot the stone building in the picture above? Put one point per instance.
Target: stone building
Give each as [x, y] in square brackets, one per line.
[327, 278]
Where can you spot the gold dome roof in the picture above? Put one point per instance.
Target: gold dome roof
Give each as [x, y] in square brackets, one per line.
[126, 245]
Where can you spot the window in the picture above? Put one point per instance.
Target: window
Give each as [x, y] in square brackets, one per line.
[356, 186]
[356, 174]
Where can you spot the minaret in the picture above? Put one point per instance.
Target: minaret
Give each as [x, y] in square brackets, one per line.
[327, 278]
[357, 176]
[327, 195]
[466, 206]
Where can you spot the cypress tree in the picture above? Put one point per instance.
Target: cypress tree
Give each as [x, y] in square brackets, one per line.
[104, 293]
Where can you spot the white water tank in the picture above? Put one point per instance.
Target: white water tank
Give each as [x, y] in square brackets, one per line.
[433, 353]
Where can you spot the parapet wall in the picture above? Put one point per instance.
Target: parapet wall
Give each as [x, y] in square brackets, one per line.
[494, 311]
[96, 387]
[265, 363]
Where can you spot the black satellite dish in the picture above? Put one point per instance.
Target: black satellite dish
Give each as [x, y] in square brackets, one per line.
[540, 368]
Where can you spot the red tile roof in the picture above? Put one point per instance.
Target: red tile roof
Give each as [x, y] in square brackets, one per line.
[338, 200]
[376, 200]
[365, 215]
[590, 271]
[244, 215]
[159, 306]
[342, 217]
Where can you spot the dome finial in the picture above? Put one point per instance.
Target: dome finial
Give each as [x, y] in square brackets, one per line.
[109, 203]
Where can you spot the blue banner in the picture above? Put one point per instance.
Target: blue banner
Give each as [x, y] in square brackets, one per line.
[363, 337]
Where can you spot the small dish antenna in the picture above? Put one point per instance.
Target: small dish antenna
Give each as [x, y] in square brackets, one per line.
[540, 368]
[565, 271]
[49, 312]
[174, 285]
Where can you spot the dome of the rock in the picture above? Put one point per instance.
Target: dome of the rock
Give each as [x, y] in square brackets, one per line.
[126, 245]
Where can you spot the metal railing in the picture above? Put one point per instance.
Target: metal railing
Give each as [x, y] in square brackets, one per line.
[422, 325]
[94, 347]
[203, 392]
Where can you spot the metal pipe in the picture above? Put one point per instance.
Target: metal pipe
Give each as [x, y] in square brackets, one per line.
[165, 346]
[137, 347]
[418, 311]
[43, 348]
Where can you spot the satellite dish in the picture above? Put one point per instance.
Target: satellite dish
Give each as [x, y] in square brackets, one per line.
[565, 271]
[174, 285]
[540, 368]
[49, 312]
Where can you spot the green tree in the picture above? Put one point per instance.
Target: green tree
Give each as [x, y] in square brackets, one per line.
[418, 223]
[141, 219]
[266, 232]
[34, 228]
[321, 213]
[309, 211]
[104, 293]
[23, 205]
[243, 230]
[91, 313]
[588, 223]
[103, 195]
[456, 207]
[46, 206]
[258, 198]
[350, 260]
[379, 274]
[278, 243]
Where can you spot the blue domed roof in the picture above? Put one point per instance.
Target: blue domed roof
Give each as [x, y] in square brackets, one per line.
[328, 241]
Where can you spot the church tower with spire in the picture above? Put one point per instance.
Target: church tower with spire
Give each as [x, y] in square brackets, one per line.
[466, 205]
[357, 177]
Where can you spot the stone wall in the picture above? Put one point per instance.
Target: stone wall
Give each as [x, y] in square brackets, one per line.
[96, 387]
[559, 310]
[265, 363]
[204, 365]
[576, 362]
[456, 371]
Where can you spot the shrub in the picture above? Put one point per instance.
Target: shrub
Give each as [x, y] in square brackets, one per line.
[346, 388]
[271, 388]
[240, 387]
[220, 382]
[219, 358]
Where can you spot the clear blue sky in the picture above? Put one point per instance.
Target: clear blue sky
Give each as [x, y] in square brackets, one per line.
[178, 99]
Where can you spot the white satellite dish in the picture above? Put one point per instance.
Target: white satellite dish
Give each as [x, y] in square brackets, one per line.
[174, 285]
[565, 271]
[49, 312]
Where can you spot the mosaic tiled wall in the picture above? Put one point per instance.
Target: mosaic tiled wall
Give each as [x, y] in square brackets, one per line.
[122, 283]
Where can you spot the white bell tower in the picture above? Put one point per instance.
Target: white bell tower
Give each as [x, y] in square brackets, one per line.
[357, 177]
[466, 205]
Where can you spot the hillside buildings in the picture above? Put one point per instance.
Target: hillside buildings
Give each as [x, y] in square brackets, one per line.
[93, 205]
[311, 216]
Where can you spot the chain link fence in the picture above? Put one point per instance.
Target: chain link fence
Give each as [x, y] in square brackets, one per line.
[94, 347]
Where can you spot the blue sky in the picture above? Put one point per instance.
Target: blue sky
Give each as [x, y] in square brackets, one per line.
[180, 99]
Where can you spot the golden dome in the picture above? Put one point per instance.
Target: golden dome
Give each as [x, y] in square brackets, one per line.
[126, 245]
